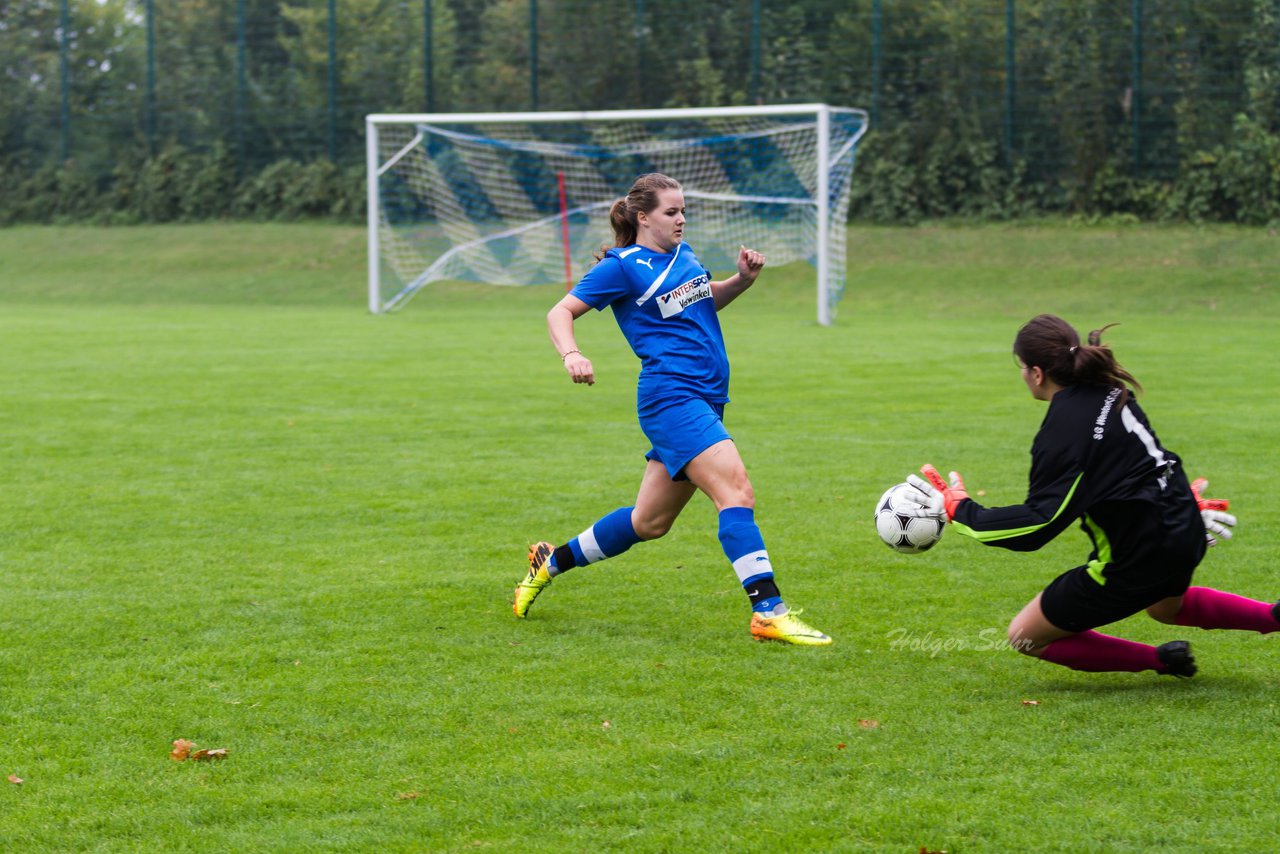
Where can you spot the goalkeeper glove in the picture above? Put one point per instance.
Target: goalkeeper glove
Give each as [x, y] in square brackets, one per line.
[1217, 521]
[940, 496]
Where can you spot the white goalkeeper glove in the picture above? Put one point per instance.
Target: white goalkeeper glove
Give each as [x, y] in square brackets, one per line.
[928, 501]
[937, 496]
[1217, 521]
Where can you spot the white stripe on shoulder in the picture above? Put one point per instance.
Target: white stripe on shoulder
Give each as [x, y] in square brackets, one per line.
[624, 253]
[662, 277]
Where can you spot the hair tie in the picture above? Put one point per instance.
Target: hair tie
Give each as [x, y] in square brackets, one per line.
[1074, 349]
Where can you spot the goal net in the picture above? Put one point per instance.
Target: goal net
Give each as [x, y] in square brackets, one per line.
[524, 198]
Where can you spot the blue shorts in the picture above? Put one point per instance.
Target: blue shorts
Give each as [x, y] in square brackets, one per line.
[681, 430]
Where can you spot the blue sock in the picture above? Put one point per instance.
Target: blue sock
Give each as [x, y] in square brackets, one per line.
[609, 537]
[744, 546]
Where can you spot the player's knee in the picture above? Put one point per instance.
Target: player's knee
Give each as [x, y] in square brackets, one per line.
[652, 528]
[1019, 641]
[742, 495]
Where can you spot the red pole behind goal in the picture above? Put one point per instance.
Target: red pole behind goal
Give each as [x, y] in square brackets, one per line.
[564, 233]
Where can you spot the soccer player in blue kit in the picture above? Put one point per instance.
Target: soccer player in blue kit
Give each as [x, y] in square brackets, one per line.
[666, 304]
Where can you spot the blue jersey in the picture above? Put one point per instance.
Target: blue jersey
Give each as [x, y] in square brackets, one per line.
[664, 307]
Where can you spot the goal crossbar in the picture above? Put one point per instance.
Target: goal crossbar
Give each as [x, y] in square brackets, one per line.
[615, 115]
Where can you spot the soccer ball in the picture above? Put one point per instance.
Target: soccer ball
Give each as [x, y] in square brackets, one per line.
[902, 532]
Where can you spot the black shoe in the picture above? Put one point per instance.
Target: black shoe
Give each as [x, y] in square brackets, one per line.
[1275, 611]
[1177, 659]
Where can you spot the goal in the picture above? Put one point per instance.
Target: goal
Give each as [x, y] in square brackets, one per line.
[524, 198]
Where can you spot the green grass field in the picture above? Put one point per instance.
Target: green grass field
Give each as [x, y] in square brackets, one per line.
[236, 508]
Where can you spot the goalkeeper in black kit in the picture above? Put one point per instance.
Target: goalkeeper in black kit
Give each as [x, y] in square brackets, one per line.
[1097, 460]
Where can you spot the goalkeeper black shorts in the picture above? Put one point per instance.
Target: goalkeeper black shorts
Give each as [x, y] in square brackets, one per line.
[1076, 602]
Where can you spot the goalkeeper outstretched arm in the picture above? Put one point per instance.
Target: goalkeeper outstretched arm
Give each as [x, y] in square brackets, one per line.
[1052, 504]
[1019, 527]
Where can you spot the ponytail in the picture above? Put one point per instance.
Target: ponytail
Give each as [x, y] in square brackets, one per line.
[1053, 345]
[623, 222]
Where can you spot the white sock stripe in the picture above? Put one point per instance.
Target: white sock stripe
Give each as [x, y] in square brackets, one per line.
[755, 563]
[590, 548]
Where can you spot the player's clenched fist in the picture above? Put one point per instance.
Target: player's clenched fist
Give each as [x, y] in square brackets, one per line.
[579, 368]
[750, 262]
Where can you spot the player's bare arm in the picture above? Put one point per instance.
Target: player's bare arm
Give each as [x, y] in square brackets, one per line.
[750, 263]
[560, 324]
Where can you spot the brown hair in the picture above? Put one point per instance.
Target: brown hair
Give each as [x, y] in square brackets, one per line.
[1051, 344]
[642, 198]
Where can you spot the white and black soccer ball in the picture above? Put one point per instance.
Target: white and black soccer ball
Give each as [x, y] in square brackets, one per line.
[902, 531]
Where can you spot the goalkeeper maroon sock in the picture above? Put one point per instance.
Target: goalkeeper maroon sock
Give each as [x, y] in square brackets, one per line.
[1206, 608]
[1098, 653]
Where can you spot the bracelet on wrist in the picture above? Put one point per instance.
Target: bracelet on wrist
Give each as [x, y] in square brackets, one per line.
[568, 353]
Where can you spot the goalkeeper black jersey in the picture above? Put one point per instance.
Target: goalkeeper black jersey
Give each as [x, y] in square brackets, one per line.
[1101, 463]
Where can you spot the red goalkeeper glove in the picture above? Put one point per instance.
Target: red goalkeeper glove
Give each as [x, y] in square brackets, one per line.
[1217, 521]
[947, 495]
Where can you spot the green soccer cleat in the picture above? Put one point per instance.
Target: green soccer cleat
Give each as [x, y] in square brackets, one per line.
[788, 628]
[537, 579]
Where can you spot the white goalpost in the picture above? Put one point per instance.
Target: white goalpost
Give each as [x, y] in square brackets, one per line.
[524, 198]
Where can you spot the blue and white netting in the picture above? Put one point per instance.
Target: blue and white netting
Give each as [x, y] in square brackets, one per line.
[497, 202]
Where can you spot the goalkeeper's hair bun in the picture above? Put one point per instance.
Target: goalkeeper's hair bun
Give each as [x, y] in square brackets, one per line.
[1053, 345]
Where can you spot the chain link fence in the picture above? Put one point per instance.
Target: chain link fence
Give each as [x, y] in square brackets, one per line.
[1060, 90]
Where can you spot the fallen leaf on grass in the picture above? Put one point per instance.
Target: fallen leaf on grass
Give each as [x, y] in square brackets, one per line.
[868, 723]
[15, 779]
[209, 755]
[1030, 702]
[181, 749]
[841, 746]
[605, 725]
[408, 796]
